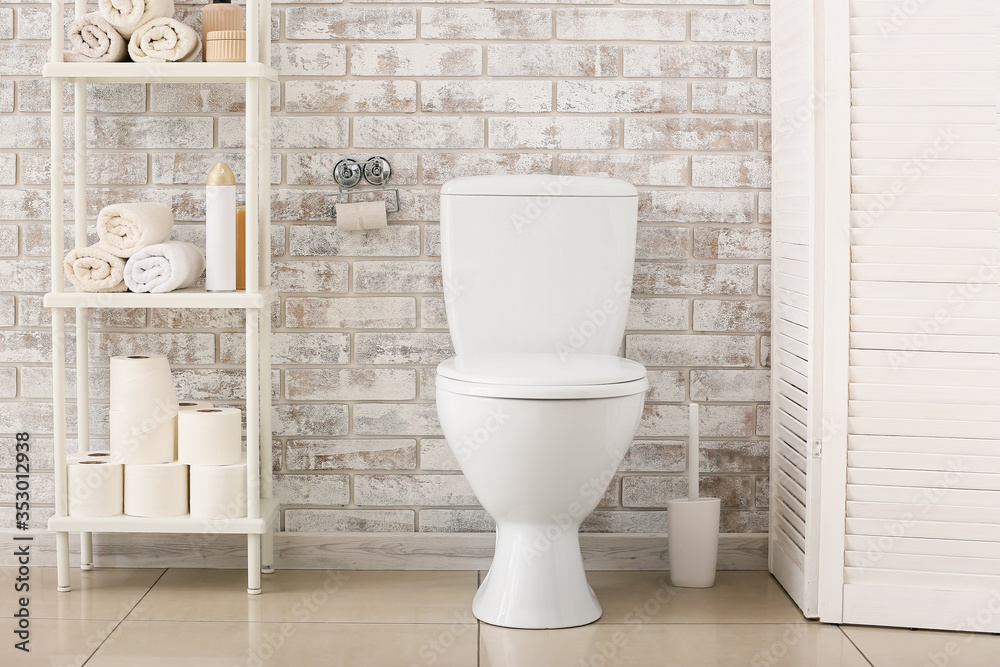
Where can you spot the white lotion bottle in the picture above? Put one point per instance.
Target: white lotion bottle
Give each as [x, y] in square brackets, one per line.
[220, 229]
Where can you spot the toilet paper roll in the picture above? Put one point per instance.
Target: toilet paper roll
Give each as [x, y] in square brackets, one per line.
[209, 436]
[187, 405]
[133, 446]
[219, 492]
[142, 384]
[361, 215]
[142, 410]
[156, 490]
[95, 488]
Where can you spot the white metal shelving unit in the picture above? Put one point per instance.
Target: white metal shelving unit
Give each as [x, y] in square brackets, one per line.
[255, 74]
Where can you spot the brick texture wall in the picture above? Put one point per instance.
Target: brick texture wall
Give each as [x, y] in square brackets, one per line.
[672, 95]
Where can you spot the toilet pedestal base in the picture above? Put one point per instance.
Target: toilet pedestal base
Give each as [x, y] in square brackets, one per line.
[536, 580]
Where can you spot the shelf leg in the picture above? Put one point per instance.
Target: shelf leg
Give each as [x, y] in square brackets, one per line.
[253, 564]
[267, 552]
[62, 562]
[86, 551]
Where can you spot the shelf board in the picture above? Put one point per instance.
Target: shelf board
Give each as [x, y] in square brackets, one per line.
[157, 72]
[174, 524]
[189, 297]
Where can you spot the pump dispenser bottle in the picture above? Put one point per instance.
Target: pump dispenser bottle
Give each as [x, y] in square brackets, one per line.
[219, 15]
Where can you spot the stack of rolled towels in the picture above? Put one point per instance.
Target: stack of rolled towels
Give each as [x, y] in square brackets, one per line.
[167, 458]
[138, 30]
[133, 253]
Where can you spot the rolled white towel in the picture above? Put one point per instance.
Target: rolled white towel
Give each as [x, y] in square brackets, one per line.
[93, 269]
[124, 229]
[163, 40]
[164, 267]
[127, 15]
[95, 40]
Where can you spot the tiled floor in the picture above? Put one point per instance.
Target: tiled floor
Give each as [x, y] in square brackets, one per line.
[143, 618]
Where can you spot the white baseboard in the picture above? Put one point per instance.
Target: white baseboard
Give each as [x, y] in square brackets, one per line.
[370, 551]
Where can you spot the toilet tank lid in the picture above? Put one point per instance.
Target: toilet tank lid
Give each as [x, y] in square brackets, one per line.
[530, 185]
[542, 369]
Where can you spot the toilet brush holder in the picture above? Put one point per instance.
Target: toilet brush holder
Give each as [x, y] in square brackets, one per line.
[693, 541]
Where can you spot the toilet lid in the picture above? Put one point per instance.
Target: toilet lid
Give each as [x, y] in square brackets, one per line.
[542, 375]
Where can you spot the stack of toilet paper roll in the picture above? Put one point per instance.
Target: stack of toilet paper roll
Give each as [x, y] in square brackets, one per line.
[167, 457]
[143, 428]
[209, 442]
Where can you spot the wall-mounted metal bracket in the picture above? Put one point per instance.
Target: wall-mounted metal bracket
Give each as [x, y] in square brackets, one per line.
[375, 170]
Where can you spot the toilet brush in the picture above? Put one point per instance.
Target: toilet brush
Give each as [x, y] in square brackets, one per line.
[693, 526]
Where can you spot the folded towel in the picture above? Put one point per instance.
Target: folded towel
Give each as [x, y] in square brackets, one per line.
[94, 40]
[127, 15]
[163, 40]
[92, 269]
[164, 267]
[124, 229]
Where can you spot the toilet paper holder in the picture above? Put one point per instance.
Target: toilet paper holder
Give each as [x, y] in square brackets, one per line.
[376, 171]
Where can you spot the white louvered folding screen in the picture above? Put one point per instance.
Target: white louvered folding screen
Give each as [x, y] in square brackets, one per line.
[922, 543]
[794, 528]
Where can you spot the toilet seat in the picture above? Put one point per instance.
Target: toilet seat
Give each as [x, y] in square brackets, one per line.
[542, 376]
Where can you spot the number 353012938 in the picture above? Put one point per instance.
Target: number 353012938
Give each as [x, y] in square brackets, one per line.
[22, 485]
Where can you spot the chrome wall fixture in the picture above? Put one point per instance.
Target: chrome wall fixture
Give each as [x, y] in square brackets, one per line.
[375, 171]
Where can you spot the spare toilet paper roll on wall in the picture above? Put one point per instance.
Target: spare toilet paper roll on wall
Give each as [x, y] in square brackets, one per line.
[219, 492]
[361, 215]
[156, 490]
[209, 436]
[96, 487]
[142, 411]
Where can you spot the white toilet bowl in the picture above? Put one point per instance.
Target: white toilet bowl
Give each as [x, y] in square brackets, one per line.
[539, 457]
[536, 406]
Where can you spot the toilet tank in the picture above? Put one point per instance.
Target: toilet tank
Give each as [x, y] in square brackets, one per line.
[537, 263]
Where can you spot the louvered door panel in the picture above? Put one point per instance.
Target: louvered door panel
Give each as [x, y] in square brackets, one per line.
[923, 478]
[794, 525]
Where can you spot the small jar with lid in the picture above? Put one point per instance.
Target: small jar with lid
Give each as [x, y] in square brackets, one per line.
[219, 15]
[226, 46]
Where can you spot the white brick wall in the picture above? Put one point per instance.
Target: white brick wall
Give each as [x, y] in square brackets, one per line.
[672, 95]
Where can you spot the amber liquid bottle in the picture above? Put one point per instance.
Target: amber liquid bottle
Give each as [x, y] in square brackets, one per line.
[219, 15]
[241, 247]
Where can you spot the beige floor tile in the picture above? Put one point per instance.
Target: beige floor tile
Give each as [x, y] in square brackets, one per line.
[674, 645]
[225, 644]
[737, 597]
[897, 647]
[313, 596]
[97, 594]
[51, 642]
